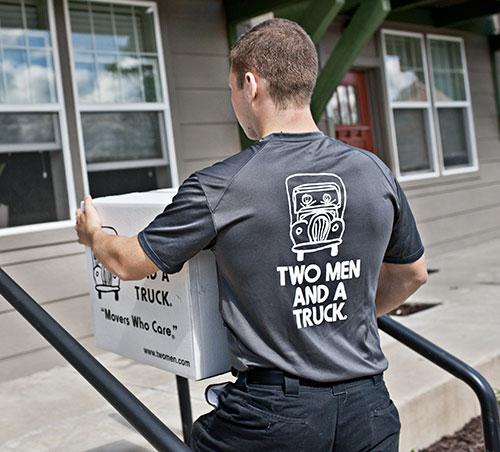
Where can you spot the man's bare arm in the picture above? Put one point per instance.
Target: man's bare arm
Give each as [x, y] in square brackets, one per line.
[122, 256]
[397, 282]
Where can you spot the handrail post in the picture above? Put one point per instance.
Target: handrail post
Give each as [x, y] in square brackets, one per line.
[459, 369]
[185, 405]
[131, 408]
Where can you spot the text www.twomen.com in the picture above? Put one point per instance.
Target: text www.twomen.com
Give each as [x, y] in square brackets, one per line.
[173, 359]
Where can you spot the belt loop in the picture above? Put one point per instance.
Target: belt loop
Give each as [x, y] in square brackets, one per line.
[376, 378]
[241, 380]
[291, 386]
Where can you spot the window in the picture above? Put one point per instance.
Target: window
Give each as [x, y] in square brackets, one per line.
[430, 113]
[34, 161]
[343, 106]
[121, 96]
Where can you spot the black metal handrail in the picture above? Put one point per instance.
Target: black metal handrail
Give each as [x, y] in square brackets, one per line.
[131, 408]
[459, 369]
[163, 438]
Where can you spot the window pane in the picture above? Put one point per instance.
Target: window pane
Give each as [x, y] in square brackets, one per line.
[145, 29]
[452, 126]
[447, 70]
[412, 139]
[32, 188]
[42, 77]
[86, 77]
[130, 71]
[332, 109]
[26, 69]
[113, 137]
[81, 35]
[351, 91]
[117, 182]
[121, 40]
[108, 78]
[125, 28]
[37, 22]
[16, 76]
[152, 90]
[17, 128]
[12, 31]
[404, 68]
[103, 26]
[343, 102]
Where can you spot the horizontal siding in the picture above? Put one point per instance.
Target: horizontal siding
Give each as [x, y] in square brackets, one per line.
[39, 253]
[202, 34]
[206, 126]
[204, 106]
[449, 229]
[36, 239]
[200, 71]
[50, 279]
[18, 337]
[205, 141]
[488, 149]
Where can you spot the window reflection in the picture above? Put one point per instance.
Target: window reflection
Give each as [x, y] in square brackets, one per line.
[343, 106]
[116, 59]
[33, 186]
[447, 71]
[404, 68]
[26, 65]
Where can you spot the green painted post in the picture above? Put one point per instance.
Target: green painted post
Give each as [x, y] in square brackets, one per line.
[495, 68]
[318, 16]
[365, 21]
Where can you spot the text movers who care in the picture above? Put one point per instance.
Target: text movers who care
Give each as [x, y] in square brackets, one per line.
[168, 321]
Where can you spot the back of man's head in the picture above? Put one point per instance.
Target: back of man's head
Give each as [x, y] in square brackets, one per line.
[282, 53]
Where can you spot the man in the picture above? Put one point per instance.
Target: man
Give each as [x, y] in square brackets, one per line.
[313, 239]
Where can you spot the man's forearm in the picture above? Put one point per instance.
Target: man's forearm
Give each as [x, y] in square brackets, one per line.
[111, 251]
[392, 290]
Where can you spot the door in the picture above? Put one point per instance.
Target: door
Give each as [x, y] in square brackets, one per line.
[349, 110]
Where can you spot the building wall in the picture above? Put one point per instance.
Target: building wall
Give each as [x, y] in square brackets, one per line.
[50, 265]
[458, 210]
[452, 211]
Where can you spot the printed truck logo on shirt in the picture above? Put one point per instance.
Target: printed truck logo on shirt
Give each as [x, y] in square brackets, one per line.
[316, 205]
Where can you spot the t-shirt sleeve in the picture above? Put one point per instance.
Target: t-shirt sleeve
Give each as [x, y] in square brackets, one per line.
[183, 229]
[405, 245]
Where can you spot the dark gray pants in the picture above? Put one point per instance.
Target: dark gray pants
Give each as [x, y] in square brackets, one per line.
[344, 417]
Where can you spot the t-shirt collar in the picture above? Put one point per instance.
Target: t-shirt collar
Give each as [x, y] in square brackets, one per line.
[295, 136]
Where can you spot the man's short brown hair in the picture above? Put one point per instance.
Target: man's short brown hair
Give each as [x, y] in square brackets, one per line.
[281, 52]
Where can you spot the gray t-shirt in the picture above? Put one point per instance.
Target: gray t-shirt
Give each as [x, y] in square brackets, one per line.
[300, 224]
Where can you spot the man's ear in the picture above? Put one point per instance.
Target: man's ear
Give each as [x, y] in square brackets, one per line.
[250, 86]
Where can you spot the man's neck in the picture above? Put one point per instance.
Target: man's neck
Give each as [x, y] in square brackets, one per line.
[288, 121]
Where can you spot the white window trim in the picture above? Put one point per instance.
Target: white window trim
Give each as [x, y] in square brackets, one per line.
[467, 104]
[427, 106]
[60, 110]
[432, 107]
[168, 147]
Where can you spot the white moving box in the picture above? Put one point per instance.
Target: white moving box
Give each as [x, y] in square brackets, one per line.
[168, 321]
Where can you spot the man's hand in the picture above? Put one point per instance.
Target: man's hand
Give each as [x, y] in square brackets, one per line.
[88, 222]
[122, 256]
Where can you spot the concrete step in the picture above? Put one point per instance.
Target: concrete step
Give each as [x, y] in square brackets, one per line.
[431, 402]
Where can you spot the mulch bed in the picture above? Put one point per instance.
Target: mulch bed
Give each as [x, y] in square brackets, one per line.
[468, 439]
[411, 308]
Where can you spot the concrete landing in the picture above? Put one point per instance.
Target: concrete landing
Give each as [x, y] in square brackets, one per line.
[56, 410]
